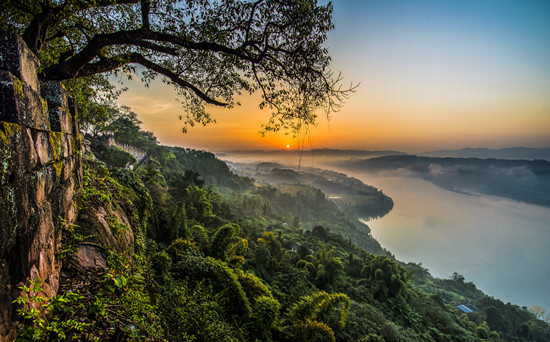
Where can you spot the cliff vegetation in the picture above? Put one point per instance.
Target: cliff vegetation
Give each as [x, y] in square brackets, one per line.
[189, 251]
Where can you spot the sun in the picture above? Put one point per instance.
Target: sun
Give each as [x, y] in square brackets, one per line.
[287, 146]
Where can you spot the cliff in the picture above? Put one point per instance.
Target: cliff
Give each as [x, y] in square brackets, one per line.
[40, 175]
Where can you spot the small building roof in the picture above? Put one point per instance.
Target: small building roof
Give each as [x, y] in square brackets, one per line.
[466, 308]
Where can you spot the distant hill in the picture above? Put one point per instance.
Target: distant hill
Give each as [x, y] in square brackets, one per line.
[320, 152]
[522, 180]
[503, 153]
[336, 152]
[348, 193]
[268, 166]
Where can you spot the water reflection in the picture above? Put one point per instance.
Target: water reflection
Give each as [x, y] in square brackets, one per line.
[500, 245]
[503, 246]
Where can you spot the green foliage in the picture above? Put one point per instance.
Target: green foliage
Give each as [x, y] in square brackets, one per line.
[115, 190]
[252, 285]
[315, 317]
[114, 156]
[200, 236]
[329, 269]
[137, 309]
[48, 319]
[214, 273]
[116, 278]
[312, 208]
[513, 322]
[214, 265]
[368, 323]
[325, 270]
[457, 285]
[310, 331]
[194, 314]
[386, 278]
[269, 241]
[161, 263]
[116, 226]
[405, 312]
[482, 331]
[125, 126]
[199, 205]
[221, 240]
[266, 312]
[94, 191]
[222, 41]
[69, 240]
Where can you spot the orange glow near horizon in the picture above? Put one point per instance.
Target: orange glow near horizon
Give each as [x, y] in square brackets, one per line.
[454, 78]
[367, 121]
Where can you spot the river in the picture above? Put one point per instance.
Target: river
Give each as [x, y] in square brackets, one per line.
[503, 246]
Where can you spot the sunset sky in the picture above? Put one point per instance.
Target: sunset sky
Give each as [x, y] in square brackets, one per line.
[432, 74]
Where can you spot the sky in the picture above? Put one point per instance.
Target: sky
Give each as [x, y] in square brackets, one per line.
[432, 75]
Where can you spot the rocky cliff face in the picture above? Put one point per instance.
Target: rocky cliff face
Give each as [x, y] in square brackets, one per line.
[40, 175]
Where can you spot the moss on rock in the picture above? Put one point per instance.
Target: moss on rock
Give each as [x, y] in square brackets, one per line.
[56, 141]
[18, 86]
[8, 130]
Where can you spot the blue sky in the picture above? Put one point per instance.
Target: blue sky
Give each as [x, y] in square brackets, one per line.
[433, 74]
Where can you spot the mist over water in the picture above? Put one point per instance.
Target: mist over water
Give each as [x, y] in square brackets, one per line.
[501, 245]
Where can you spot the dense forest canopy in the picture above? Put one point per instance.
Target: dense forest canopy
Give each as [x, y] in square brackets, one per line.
[191, 251]
[218, 257]
[208, 50]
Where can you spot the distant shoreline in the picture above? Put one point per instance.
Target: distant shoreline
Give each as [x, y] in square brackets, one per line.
[509, 153]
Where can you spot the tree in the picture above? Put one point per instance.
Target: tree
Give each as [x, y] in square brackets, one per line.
[208, 50]
[125, 127]
[315, 317]
[539, 312]
[329, 269]
[387, 278]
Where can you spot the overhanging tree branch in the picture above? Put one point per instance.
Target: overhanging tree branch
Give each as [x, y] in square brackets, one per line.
[155, 47]
[211, 49]
[71, 67]
[104, 65]
[145, 9]
[139, 59]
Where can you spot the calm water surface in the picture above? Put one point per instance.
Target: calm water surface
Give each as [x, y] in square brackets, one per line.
[501, 245]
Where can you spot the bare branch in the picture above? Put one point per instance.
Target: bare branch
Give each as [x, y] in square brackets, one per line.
[104, 65]
[249, 23]
[85, 4]
[139, 59]
[145, 9]
[155, 47]
[71, 67]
